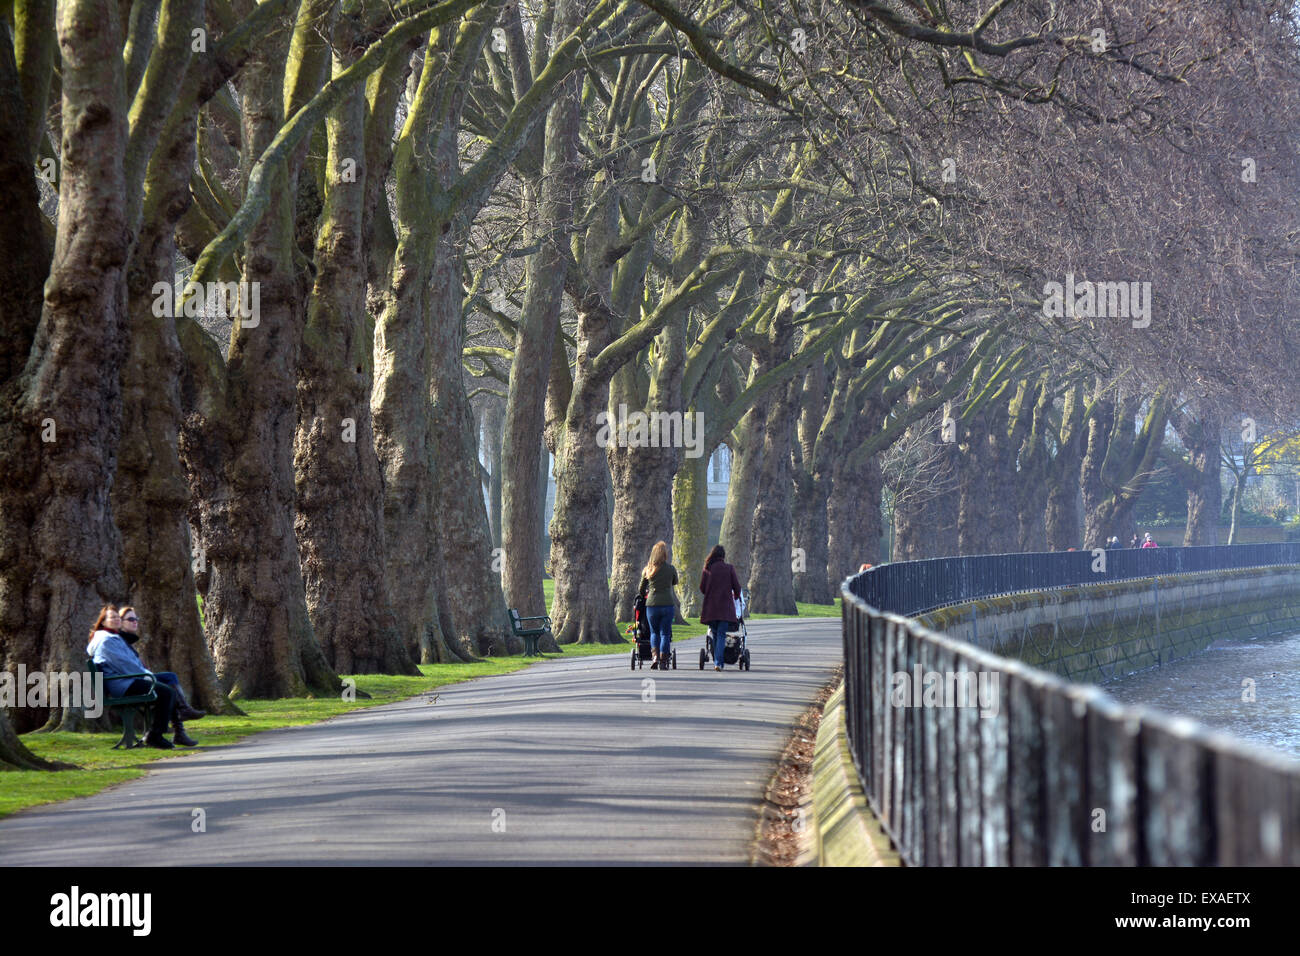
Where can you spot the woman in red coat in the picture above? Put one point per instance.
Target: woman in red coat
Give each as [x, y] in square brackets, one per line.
[721, 590]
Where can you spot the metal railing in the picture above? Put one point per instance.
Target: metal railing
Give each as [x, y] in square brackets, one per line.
[914, 587]
[1041, 771]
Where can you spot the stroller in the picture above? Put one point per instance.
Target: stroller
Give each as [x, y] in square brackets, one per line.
[643, 652]
[735, 650]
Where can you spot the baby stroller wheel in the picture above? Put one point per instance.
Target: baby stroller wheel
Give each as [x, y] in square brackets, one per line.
[674, 659]
[634, 660]
[703, 657]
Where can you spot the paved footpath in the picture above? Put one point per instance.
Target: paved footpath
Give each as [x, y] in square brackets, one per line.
[564, 762]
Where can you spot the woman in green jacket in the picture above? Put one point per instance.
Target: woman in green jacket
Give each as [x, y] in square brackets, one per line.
[657, 582]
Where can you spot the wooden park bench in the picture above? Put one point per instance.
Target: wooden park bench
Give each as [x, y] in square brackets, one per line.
[128, 705]
[526, 628]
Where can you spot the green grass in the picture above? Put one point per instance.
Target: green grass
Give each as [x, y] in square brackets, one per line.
[809, 610]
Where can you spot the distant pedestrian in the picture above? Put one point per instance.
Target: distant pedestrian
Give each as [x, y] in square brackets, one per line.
[1148, 541]
[1112, 543]
[658, 579]
[1133, 542]
[721, 588]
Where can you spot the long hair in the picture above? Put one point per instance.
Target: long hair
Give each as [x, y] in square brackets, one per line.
[103, 613]
[717, 554]
[658, 558]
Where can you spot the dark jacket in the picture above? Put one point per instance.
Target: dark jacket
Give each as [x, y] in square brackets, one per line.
[659, 589]
[720, 586]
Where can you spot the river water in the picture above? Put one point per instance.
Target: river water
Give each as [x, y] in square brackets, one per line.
[1209, 688]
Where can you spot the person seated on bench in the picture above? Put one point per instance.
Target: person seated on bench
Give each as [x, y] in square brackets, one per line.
[131, 634]
[114, 656]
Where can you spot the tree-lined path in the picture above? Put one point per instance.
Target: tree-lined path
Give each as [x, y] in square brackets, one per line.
[568, 758]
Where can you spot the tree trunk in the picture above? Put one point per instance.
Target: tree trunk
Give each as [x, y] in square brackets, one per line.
[399, 402]
[811, 539]
[642, 515]
[340, 528]
[1204, 496]
[1238, 483]
[855, 524]
[14, 755]
[974, 502]
[62, 415]
[691, 529]
[1097, 516]
[242, 460]
[1119, 463]
[1031, 480]
[24, 248]
[523, 508]
[812, 486]
[1063, 527]
[582, 612]
[150, 496]
[1005, 440]
[742, 491]
[925, 518]
[471, 594]
[771, 581]
[493, 418]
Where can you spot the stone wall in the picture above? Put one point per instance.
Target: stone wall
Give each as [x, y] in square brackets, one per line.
[1099, 632]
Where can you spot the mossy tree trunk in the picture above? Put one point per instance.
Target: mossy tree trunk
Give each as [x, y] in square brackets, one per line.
[240, 444]
[742, 491]
[25, 252]
[340, 527]
[771, 580]
[150, 495]
[1031, 481]
[1062, 525]
[812, 488]
[399, 402]
[1119, 462]
[523, 457]
[471, 594]
[582, 612]
[62, 417]
[691, 529]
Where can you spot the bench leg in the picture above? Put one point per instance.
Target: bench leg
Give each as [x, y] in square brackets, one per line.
[530, 645]
[129, 740]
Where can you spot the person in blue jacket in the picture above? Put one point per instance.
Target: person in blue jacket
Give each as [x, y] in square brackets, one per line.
[114, 656]
[131, 634]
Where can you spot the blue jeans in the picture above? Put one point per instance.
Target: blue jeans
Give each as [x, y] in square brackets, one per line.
[660, 620]
[719, 629]
[174, 682]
